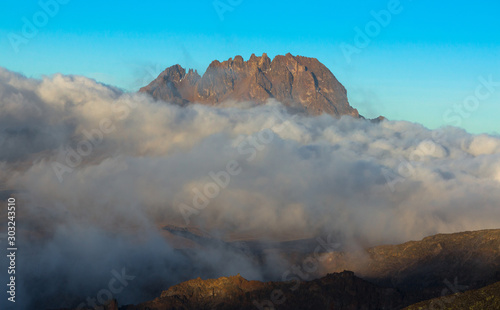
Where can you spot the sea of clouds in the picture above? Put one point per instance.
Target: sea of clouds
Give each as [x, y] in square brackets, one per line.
[97, 172]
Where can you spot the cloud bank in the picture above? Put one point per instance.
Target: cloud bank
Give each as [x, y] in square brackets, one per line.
[97, 172]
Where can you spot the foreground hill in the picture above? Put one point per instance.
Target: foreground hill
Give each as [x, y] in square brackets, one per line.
[424, 268]
[297, 81]
[384, 277]
[420, 269]
[334, 291]
[487, 298]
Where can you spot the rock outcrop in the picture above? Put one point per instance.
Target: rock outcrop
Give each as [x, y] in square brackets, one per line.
[295, 81]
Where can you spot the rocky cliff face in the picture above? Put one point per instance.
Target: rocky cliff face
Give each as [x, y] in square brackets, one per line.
[293, 80]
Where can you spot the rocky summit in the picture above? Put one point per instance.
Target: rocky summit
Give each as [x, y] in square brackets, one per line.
[296, 81]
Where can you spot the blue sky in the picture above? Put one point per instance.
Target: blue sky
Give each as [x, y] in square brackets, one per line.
[422, 66]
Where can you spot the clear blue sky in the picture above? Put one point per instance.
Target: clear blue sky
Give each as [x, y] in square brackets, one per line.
[423, 63]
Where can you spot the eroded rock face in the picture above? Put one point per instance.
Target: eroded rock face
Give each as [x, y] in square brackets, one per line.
[293, 80]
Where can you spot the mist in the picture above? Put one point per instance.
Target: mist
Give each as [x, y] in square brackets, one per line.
[97, 172]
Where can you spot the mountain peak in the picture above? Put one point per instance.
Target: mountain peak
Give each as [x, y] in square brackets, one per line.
[296, 81]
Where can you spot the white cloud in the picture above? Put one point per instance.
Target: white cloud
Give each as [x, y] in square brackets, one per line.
[305, 176]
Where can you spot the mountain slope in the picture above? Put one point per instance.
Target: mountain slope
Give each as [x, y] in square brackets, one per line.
[421, 269]
[486, 298]
[334, 291]
[296, 81]
[424, 268]
[387, 277]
